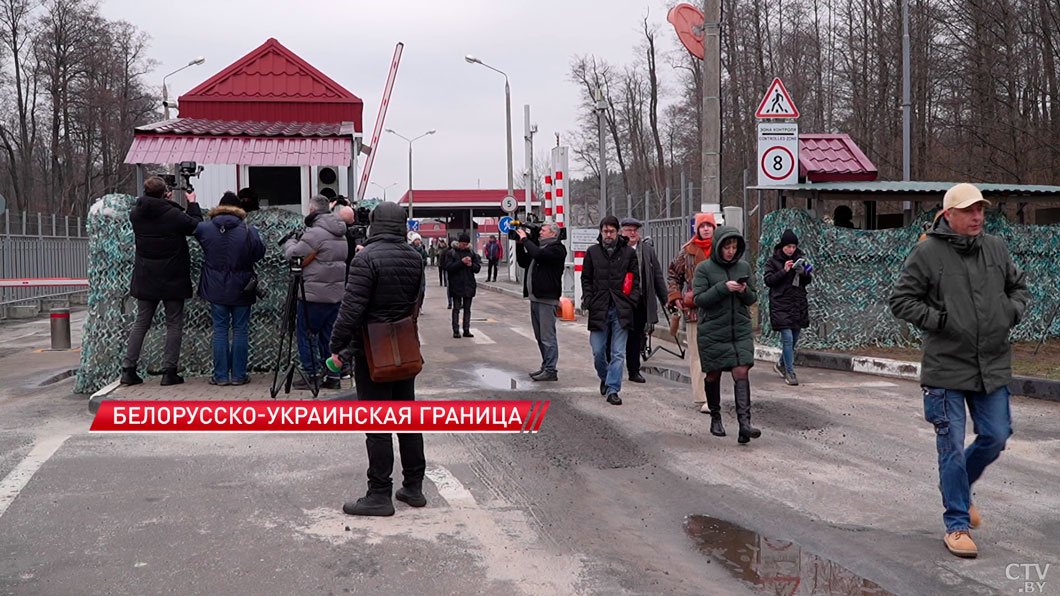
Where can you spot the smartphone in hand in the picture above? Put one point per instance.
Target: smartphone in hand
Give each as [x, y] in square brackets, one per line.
[743, 279]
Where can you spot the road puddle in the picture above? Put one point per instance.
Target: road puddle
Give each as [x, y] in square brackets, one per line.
[495, 378]
[772, 566]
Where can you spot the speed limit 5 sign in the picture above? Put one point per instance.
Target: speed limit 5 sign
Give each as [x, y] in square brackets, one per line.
[778, 154]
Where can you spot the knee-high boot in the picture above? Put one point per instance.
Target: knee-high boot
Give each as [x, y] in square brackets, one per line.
[713, 390]
[742, 390]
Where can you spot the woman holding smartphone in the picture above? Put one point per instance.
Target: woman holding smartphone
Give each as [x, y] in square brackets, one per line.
[787, 275]
[722, 290]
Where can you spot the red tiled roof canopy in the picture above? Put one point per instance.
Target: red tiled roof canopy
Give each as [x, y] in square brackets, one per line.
[469, 198]
[200, 126]
[833, 158]
[251, 151]
[272, 83]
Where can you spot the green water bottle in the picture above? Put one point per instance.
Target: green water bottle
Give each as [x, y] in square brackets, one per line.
[332, 366]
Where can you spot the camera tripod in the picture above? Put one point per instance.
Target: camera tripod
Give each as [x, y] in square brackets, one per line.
[295, 297]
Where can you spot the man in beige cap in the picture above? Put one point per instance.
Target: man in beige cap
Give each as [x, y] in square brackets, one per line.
[961, 288]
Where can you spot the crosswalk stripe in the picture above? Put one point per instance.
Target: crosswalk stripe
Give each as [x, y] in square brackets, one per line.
[480, 337]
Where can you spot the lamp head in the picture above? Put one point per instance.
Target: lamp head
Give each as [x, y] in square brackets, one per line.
[472, 59]
[431, 131]
[197, 60]
[390, 130]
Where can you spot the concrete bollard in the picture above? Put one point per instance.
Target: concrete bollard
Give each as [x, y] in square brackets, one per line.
[60, 320]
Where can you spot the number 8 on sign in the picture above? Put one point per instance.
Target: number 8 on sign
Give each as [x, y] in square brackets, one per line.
[777, 162]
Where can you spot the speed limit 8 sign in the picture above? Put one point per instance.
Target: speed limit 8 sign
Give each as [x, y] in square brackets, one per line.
[778, 154]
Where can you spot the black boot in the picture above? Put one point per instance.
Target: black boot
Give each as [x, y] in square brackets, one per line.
[412, 494]
[374, 503]
[742, 390]
[129, 376]
[170, 377]
[713, 389]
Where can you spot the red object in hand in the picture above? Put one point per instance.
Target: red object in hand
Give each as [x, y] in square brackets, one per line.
[689, 301]
[627, 284]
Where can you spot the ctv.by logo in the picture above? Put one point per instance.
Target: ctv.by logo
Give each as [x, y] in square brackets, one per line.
[1032, 574]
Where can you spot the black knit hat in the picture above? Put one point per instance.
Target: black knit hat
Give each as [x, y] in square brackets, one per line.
[789, 237]
[610, 220]
[464, 237]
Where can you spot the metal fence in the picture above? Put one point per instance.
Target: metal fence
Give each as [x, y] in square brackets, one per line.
[37, 245]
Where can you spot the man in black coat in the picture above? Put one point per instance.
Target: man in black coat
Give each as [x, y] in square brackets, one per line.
[543, 283]
[610, 289]
[461, 264]
[386, 284]
[161, 273]
[652, 283]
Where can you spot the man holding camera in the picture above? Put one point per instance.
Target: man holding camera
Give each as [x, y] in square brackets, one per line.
[323, 251]
[644, 312]
[161, 273]
[543, 260]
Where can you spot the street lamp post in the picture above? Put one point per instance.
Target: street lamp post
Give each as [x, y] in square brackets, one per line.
[165, 92]
[508, 115]
[410, 141]
[384, 187]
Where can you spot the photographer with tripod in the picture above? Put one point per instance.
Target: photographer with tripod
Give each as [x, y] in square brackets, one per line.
[323, 250]
[543, 259]
[384, 294]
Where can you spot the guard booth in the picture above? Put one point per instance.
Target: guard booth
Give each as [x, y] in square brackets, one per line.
[269, 121]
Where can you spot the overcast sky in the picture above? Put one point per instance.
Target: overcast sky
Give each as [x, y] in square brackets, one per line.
[352, 42]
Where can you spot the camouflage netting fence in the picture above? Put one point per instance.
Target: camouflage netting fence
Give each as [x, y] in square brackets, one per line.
[855, 271]
[111, 311]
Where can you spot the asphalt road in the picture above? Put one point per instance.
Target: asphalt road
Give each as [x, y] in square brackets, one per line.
[840, 491]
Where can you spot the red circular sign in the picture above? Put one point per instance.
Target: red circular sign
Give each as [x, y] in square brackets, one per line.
[787, 171]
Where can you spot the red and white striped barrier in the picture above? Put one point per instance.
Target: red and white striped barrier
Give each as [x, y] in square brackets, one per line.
[42, 282]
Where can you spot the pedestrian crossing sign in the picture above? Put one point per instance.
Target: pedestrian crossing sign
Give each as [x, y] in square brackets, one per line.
[777, 103]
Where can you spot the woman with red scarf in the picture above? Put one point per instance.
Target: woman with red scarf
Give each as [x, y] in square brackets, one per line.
[679, 281]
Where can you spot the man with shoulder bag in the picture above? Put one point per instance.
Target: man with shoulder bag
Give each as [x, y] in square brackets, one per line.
[376, 330]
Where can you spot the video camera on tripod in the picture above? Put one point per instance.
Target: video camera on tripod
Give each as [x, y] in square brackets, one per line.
[185, 170]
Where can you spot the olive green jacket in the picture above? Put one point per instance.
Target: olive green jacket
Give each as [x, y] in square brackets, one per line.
[965, 294]
[725, 332]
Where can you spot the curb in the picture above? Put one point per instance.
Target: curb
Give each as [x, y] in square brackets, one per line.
[100, 396]
[1033, 387]
[501, 290]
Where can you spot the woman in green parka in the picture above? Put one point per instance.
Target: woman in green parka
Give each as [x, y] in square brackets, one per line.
[723, 291]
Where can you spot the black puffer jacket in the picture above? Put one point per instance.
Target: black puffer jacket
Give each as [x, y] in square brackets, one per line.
[602, 280]
[162, 267]
[788, 307]
[386, 282]
[461, 277]
[547, 256]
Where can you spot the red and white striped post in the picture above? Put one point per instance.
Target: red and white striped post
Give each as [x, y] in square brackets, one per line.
[548, 199]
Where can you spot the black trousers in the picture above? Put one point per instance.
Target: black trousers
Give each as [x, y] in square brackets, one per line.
[459, 304]
[381, 445]
[491, 270]
[635, 340]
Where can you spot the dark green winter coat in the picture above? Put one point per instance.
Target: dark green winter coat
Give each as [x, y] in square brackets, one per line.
[725, 333]
[965, 293]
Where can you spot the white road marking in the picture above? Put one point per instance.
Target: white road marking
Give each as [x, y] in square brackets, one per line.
[480, 337]
[449, 487]
[17, 479]
[528, 334]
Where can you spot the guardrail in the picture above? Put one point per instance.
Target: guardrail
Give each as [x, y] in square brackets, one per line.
[35, 246]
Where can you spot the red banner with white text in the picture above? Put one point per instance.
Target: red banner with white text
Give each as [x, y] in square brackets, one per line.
[317, 416]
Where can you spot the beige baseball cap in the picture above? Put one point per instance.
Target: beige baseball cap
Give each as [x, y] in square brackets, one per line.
[962, 196]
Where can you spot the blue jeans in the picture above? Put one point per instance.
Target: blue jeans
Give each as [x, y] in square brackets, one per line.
[789, 338]
[610, 370]
[230, 359]
[543, 320]
[959, 468]
[314, 334]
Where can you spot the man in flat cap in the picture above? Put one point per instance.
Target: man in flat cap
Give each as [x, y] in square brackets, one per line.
[653, 286]
[961, 288]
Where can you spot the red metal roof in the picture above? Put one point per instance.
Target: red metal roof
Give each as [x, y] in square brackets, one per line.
[272, 83]
[200, 126]
[252, 151]
[833, 158]
[470, 198]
